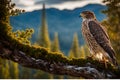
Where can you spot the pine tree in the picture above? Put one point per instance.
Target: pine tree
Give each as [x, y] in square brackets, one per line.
[6, 74]
[113, 23]
[44, 40]
[14, 71]
[74, 52]
[55, 45]
[87, 52]
[82, 52]
[7, 10]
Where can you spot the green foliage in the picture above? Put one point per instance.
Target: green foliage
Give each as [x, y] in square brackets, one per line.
[86, 50]
[43, 39]
[8, 69]
[4, 69]
[74, 52]
[82, 52]
[113, 23]
[55, 45]
[7, 10]
[14, 70]
[23, 36]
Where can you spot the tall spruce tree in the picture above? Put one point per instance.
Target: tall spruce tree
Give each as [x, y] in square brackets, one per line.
[74, 52]
[113, 23]
[6, 69]
[87, 53]
[82, 52]
[55, 45]
[43, 39]
[14, 70]
[55, 48]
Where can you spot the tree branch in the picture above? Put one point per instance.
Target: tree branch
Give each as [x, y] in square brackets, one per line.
[87, 71]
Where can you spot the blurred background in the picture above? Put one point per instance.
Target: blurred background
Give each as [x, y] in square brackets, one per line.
[57, 26]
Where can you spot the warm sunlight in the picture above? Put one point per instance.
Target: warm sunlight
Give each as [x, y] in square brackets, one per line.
[99, 56]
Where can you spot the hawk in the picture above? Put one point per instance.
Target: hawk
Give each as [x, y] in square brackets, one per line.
[97, 38]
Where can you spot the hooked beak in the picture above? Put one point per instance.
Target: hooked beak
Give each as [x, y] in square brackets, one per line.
[80, 15]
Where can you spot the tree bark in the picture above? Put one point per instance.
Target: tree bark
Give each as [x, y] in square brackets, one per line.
[21, 58]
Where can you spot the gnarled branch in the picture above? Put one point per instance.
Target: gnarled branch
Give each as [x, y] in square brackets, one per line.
[88, 71]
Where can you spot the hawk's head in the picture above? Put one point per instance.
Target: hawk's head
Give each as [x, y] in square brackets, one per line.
[87, 15]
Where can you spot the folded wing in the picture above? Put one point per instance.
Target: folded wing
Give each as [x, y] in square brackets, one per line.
[101, 38]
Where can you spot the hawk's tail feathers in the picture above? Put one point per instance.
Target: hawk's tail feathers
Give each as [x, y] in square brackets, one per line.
[114, 61]
[112, 56]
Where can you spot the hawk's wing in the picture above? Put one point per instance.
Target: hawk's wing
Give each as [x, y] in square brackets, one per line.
[101, 37]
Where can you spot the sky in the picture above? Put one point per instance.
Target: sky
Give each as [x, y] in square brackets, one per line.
[30, 5]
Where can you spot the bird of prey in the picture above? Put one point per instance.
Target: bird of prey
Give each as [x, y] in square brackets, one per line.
[97, 38]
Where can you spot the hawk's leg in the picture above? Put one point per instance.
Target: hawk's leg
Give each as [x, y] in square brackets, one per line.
[105, 62]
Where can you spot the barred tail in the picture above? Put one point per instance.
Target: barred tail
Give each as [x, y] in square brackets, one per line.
[114, 61]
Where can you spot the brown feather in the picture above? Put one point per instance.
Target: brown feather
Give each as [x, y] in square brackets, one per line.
[101, 38]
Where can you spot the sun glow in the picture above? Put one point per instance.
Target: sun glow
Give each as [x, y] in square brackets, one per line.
[99, 56]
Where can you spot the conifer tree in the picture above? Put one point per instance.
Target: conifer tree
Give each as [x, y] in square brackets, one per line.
[113, 24]
[6, 74]
[87, 52]
[82, 52]
[7, 10]
[14, 71]
[44, 40]
[55, 45]
[74, 52]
